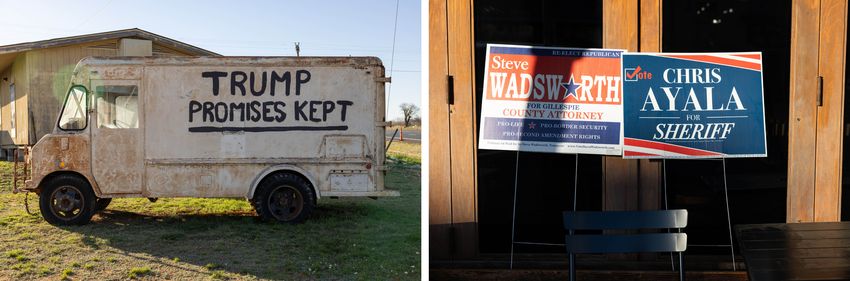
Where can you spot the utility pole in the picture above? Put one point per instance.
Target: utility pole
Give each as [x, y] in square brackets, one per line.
[297, 49]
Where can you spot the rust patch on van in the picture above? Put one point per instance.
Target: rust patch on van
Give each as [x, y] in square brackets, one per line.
[62, 153]
[199, 180]
[117, 162]
[119, 73]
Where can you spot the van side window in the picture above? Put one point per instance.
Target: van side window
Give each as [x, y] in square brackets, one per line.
[117, 106]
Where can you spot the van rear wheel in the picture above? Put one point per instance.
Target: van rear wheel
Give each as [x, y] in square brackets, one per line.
[67, 200]
[284, 197]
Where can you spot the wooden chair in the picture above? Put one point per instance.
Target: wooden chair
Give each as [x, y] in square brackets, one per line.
[626, 243]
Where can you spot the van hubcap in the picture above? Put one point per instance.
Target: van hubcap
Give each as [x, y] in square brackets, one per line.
[286, 203]
[66, 202]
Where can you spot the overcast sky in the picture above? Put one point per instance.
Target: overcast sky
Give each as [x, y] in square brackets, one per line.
[244, 28]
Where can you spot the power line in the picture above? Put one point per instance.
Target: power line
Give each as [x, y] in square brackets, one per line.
[87, 19]
[314, 45]
[392, 60]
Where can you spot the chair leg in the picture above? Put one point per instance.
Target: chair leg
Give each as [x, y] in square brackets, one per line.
[681, 266]
[572, 267]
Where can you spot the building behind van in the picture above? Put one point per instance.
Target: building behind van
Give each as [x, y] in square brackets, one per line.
[34, 76]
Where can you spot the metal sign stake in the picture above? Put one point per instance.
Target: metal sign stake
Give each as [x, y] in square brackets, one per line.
[513, 219]
[729, 217]
[726, 201]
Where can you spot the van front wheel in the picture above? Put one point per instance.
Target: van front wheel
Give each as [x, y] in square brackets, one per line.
[67, 200]
[284, 197]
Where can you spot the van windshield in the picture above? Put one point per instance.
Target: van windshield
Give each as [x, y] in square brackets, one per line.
[75, 109]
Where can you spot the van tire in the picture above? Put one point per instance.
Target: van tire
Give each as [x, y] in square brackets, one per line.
[102, 203]
[284, 197]
[67, 200]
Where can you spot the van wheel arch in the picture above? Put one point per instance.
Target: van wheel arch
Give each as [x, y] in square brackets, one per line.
[55, 174]
[304, 175]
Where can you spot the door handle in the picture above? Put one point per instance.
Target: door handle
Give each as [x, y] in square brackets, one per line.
[451, 97]
[820, 90]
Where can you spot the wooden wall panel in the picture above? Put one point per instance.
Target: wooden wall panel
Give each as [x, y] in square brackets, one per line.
[632, 184]
[620, 187]
[620, 24]
[21, 76]
[650, 26]
[439, 162]
[650, 171]
[453, 199]
[50, 73]
[462, 112]
[620, 31]
[5, 138]
[802, 111]
[830, 117]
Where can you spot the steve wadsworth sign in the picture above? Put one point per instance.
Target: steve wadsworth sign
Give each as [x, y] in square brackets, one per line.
[707, 105]
[559, 100]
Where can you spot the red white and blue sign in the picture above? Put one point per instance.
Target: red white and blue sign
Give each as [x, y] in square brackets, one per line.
[556, 100]
[695, 105]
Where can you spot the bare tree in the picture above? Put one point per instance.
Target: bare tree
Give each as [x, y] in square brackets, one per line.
[410, 112]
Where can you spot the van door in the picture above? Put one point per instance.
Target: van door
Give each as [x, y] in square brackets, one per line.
[117, 137]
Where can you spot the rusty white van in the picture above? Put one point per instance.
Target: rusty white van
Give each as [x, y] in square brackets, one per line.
[282, 132]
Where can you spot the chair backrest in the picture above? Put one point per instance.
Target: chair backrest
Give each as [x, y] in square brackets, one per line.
[629, 243]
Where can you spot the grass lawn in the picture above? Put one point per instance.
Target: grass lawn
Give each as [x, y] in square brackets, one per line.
[218, 239]
[408, 152]
[411, 127]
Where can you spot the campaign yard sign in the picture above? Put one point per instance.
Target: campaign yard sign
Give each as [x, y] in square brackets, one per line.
[696, 105]
[557, 100]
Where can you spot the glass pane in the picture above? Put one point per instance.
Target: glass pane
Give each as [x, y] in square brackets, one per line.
[74, 112]
[117, 106]
[757, 186]
[545, 180]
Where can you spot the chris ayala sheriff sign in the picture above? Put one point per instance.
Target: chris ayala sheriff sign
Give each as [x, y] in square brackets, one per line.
[693, 106]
